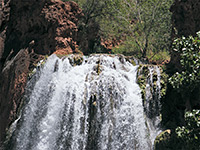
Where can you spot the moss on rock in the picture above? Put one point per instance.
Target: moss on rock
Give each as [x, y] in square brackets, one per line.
[143, 75]
[75, 59]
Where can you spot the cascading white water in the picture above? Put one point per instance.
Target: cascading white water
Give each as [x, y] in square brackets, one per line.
[95, 105]
[152, 98]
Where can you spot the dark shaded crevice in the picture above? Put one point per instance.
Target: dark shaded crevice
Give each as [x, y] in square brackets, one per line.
[94, 126]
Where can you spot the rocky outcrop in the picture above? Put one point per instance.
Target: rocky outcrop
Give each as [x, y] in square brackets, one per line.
[185, 22]
[185, 17]
[49, 25]
[12, 81]
[4, 17]
[109, 44]
[28, 30]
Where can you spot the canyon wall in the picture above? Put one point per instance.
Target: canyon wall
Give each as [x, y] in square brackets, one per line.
[28, 31]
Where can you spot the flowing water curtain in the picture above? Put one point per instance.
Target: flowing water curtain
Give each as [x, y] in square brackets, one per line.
[95, 104]
[149, 79]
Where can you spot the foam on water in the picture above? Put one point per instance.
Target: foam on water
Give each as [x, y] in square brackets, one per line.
[95, 105]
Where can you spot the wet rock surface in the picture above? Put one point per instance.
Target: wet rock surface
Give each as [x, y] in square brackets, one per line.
[12, 81]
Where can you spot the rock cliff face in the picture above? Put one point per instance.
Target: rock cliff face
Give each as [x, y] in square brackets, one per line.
[185, 17]
[185, 22]
[28, 30]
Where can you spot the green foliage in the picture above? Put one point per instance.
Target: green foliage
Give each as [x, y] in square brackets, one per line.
[144, 26]
[158, 57]
[89, 26]
[145, 23]
[189, 78]
[129, 47]
[186, 137]
[189, 135]
[185, 83]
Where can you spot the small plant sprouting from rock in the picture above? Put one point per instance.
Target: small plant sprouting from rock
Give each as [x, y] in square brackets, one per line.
[75, 59]
[37, 66]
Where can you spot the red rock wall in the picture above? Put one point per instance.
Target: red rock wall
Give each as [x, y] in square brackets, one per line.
[28, 30]
[52, 25]
[12, 82]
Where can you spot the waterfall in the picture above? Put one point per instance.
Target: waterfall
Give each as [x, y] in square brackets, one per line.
[152, 100]
[95, 104]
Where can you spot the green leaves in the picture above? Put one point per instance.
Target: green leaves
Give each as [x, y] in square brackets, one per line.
[185, 82]
[190, 133]
[148, 23]
[142, 25]
[189, 78]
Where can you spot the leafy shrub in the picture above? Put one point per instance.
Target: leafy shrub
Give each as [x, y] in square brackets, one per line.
[158, 57]
[185, 83]
[189, 135]
[129, 47]
[189, 78]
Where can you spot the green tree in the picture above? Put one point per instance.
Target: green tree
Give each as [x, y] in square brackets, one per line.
[187, 81]
[143, 25]
[147, 22]
[89, 27]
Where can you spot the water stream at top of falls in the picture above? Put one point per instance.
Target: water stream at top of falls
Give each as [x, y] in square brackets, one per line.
[96, 105]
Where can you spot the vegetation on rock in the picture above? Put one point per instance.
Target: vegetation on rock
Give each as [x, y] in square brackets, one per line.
[184, 138]
[183, 97]
[189, 135]
[144, 74]
[37, 65]
[74, 59]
